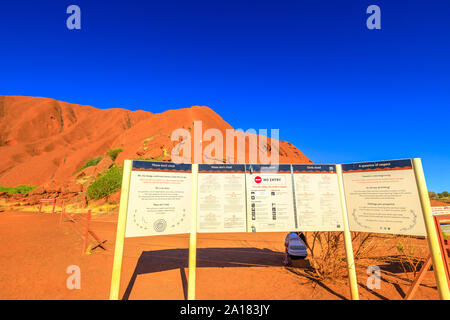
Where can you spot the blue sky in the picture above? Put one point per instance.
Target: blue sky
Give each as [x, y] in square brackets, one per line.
[336, 90]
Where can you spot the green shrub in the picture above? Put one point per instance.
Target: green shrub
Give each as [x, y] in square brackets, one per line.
[6, 189]
[19, 189]
[106, 184]
[90, 163]
[113, 153]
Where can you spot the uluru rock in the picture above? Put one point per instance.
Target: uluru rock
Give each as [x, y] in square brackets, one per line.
[104, 165]
[114, 198]
[45, 142]
[74, 188]
[37, 191]
[52, 187]
[43, 139]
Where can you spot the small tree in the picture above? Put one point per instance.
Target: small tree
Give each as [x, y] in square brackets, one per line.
[444, 194]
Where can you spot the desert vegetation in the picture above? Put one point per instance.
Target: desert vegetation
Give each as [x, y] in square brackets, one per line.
[21, 189]
[106, 183]
[113, 153]
[90, 163]
[327, 252]
[411, 255]
[404, 254]
[443, 196]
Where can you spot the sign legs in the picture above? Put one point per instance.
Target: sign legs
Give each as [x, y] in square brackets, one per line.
[433, 241]
[120, 236]
[347, 239]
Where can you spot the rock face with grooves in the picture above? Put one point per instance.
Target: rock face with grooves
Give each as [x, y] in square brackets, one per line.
[45, 142]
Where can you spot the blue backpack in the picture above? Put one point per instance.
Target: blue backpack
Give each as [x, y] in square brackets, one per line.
[295, 245]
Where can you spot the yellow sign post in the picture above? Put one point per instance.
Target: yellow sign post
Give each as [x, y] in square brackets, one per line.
[347, 239]
[433, 241]
[193, 235]
[120, 235]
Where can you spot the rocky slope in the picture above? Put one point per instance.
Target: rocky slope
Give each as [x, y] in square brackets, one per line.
[45, 142]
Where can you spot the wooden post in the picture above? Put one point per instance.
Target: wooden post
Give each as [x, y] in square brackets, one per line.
[86, 231]
[432, 237]
[120, 235]
[443, 244]
[63, 211]
[353, 281]
[415, 285]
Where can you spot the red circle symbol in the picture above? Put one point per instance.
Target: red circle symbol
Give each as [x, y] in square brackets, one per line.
[258, 179]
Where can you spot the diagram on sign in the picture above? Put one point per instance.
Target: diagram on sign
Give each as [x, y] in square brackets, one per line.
[161, 200]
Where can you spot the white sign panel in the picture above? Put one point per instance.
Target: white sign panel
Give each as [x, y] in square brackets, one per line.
[317, 200]
[160, 199]
[382, 197]
[270, 202]
[221, 198]
[440, 210]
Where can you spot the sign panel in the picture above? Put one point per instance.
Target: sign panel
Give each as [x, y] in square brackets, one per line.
[382, 197]
[270, 201]
[221, 205]
[160, 199]
[318, 206]
[445, 228]
[440, 210]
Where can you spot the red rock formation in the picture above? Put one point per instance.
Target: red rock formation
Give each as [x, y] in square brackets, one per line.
[44, 139]
[44, 142]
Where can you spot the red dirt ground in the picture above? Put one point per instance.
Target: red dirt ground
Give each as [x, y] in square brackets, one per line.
[36, 252]
[437, 203]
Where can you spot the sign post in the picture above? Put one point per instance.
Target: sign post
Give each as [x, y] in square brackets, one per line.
[445, 251]
[44, 201]
[120, 236]
[274, 196]
[193, 235]
[86, 231]
[347, 239]
[433, 241]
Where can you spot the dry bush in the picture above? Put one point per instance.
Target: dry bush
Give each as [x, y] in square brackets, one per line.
[400, 254]
[411, 254]
[327, 252]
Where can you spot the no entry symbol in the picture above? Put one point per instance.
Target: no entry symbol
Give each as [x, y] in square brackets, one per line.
[258, 179]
